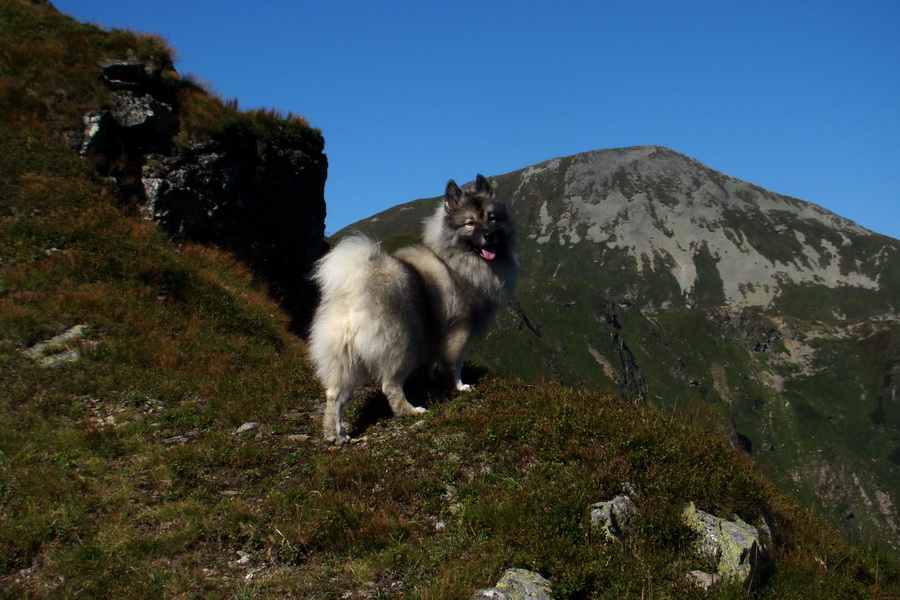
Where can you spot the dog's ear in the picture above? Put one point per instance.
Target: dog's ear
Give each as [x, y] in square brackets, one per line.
[483, 186]
[452, 195]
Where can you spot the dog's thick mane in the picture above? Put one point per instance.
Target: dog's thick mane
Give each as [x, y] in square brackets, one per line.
[495, 279]
[491, 280]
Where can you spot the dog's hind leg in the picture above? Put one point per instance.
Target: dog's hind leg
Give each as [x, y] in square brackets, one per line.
[393, 389]
[331, 421]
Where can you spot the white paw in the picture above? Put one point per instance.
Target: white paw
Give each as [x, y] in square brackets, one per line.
[410, 410]
[463, 387]
[338, 440]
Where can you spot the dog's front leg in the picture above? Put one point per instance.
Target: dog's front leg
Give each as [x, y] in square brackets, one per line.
[454, 352]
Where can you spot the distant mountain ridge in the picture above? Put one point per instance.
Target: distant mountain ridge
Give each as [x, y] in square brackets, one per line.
[661, 208]
[647, 273]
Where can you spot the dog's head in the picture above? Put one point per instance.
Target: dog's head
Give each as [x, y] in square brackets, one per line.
[479, 222]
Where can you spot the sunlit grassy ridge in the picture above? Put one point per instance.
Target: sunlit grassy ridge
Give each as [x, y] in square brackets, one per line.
[124, 474]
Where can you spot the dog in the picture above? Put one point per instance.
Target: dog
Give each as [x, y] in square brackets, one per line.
[381, 316]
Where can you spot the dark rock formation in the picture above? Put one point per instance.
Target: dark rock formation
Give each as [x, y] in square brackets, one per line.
[142, 118]
[255, 188]
[267, 207]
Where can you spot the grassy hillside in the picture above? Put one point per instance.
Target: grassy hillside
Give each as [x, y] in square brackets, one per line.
[177, 455]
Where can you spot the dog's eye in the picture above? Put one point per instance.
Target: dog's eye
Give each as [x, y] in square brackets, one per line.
[470, 223]
[492, 217]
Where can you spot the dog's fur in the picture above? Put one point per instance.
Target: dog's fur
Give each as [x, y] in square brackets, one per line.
[381, 316]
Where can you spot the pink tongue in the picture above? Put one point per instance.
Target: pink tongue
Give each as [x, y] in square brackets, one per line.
[487, 254]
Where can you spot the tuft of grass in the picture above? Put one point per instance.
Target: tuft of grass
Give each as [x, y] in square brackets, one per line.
[204, 115]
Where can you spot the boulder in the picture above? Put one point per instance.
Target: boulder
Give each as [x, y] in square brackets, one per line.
[518, 584]
[735, 545]
[612, 517]
[143, 114]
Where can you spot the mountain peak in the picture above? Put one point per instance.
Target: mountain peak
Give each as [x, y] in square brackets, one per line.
[659, 210]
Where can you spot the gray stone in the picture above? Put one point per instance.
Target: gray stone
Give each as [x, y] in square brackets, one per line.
[56, 352]
[612, 517]
[60, 359]
[735, 545]
[133, 111]
[93, 132]
[518, 584]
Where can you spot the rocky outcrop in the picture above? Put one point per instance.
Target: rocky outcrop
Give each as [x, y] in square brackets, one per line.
[140, 120]
[255, 187]
[267, 207]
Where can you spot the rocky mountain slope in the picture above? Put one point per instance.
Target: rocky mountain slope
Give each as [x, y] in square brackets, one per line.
[648, 274]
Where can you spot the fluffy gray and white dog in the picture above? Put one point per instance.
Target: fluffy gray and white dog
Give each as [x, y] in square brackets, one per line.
[381, 316]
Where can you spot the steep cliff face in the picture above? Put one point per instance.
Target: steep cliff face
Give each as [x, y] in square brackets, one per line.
[266, 205]
[253, 185]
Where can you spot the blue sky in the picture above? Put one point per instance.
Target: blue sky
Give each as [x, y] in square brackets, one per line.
[802, 98]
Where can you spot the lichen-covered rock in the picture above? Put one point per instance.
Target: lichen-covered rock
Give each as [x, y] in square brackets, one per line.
[612, 517]
[518, 584]
[132, 111]
[735, 545]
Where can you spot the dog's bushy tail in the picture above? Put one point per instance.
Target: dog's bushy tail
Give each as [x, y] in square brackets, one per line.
[343, 271]
[348, 336]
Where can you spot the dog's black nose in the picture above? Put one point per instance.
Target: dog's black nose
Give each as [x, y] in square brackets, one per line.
[489, 236]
